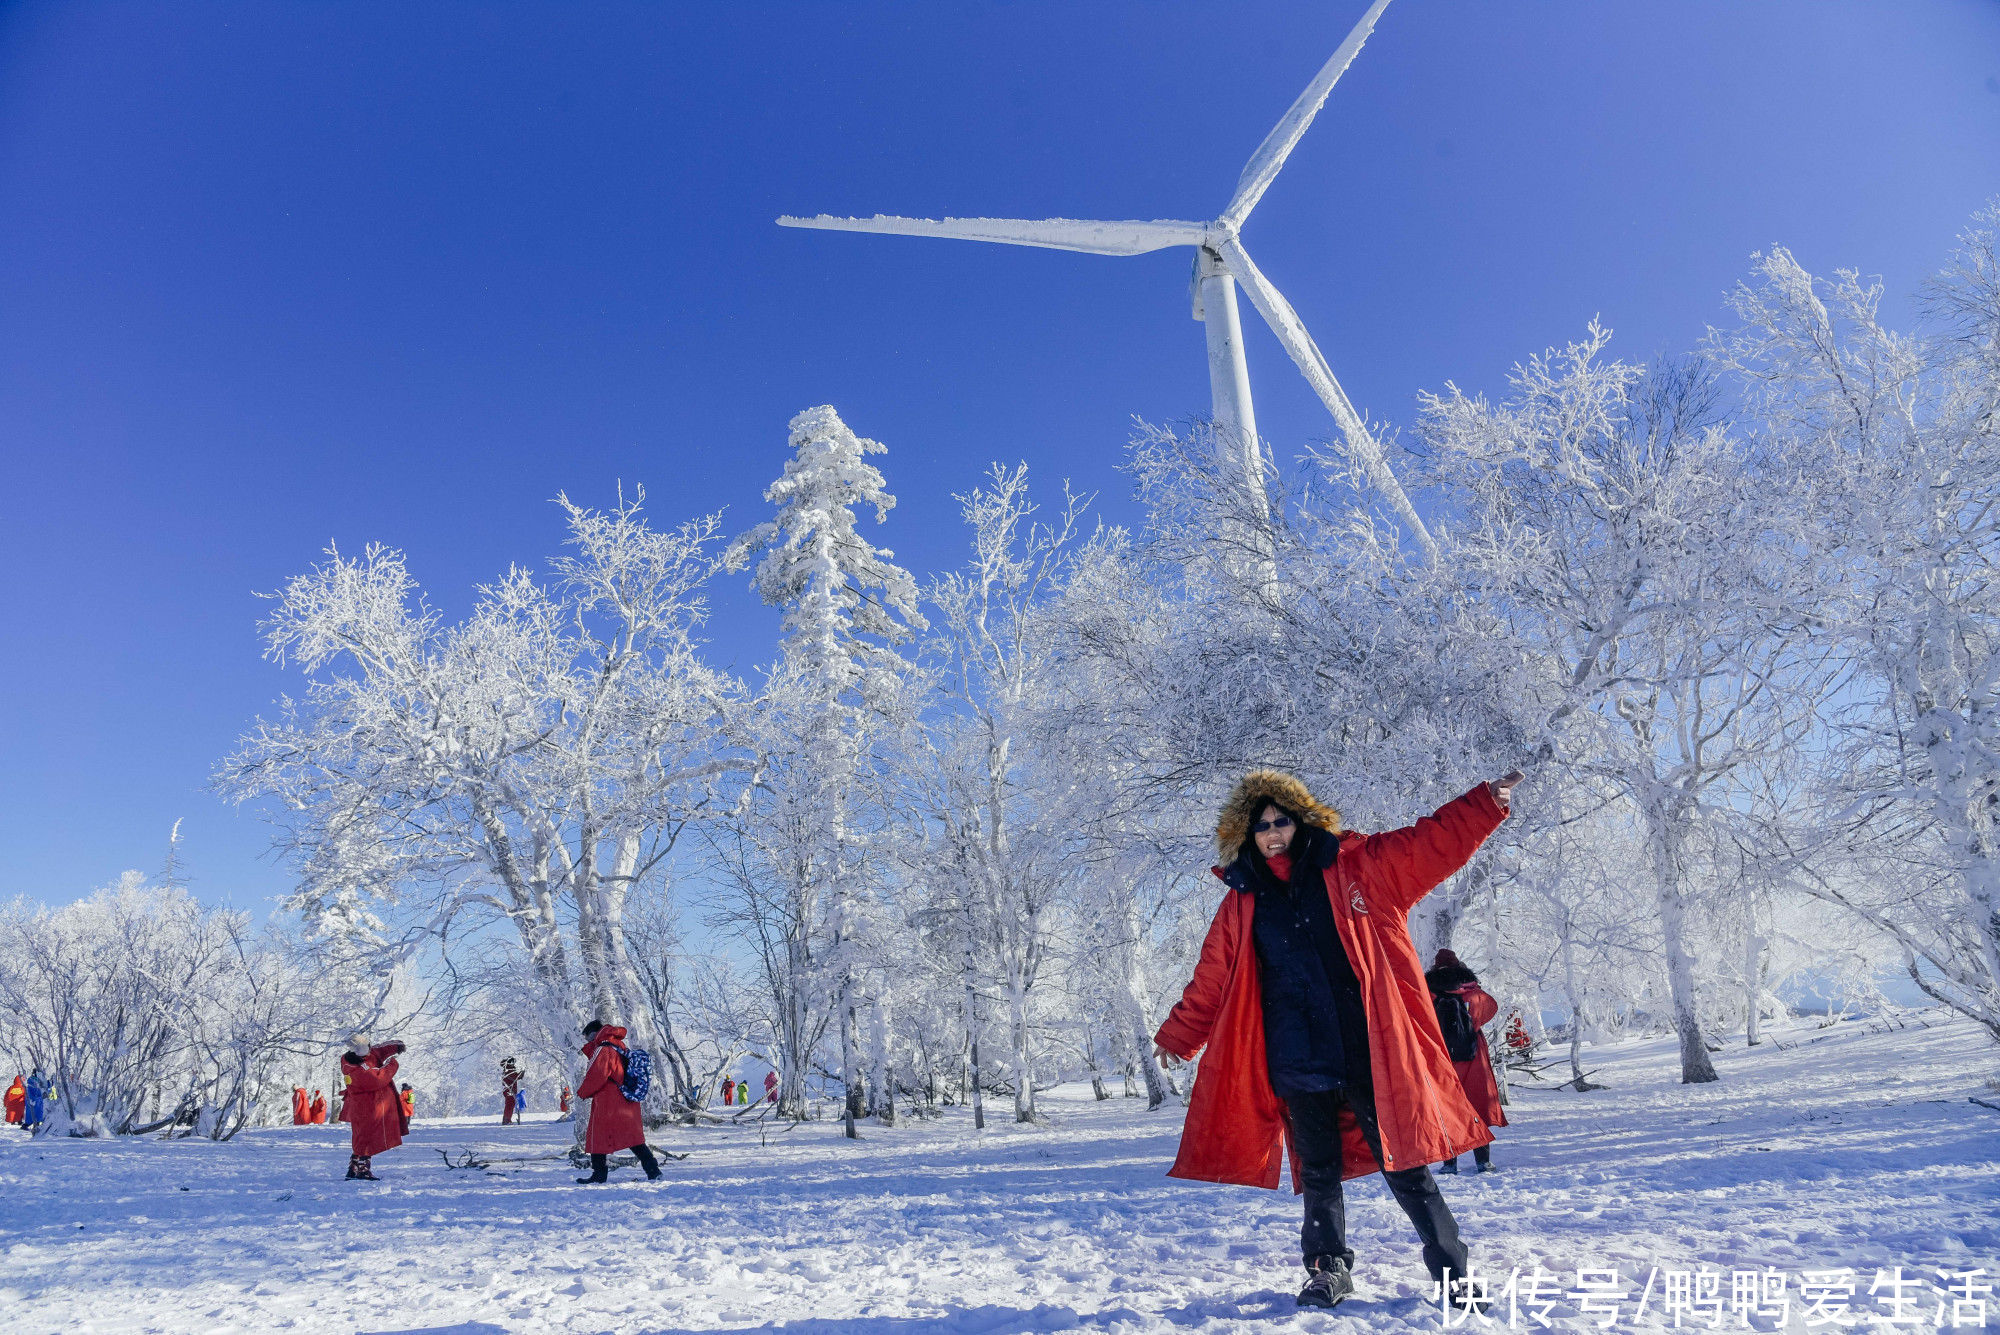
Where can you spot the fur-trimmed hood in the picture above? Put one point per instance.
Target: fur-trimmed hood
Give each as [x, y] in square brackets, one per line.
[1252, 791]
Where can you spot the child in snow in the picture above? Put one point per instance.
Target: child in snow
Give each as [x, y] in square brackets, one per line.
[770, 1086]
[409, 1104]
[17, 1100]
[562, 1102]
[614, 1124]
[1457, 995]
[375, 1116]
[1357, 1082]
[743, 1094]
[510, 1090]
[728, 1091]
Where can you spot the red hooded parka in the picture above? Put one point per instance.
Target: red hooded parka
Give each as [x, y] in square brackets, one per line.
[374, 1113]
[614, 1119]
[1476, 1076]
[1235, 1121]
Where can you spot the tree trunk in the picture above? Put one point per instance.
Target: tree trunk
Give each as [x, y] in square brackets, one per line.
[1695, 1066]
[972, 1033]
[881, 1086]
[1024, 1071]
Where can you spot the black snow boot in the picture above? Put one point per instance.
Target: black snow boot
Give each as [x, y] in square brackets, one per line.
[600, 1170]
[1449, 1166]
[644, 1154]
[1329, 1283]
[359, 1169]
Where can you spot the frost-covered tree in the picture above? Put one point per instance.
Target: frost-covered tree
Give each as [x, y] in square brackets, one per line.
[803, 840]
[1892, 454]
[1618, 529]
[999, 855]
[148, 1009]
[520, 770]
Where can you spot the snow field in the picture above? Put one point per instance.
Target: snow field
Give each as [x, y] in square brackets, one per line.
[1842, 1148]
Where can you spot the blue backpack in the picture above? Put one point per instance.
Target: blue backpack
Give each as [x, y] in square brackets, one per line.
[638, 1081]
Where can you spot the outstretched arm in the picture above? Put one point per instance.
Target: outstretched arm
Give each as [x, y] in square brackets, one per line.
[1404, 865]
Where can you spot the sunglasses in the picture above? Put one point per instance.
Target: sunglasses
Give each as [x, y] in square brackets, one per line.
[1281, 823]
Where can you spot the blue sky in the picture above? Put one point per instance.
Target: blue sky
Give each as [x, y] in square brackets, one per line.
[281, 274]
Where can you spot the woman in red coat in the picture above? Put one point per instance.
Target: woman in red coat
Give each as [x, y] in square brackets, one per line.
[615, 1123]
[316, 1110]
[301, 1110]
[17, 1101]
[1308, 975]
[1450, 978]
[374, 1112]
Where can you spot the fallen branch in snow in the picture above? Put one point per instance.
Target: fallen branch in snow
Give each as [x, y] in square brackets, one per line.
[1983, 1103]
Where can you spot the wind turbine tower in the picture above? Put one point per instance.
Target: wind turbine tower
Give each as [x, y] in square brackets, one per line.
[1220, 264]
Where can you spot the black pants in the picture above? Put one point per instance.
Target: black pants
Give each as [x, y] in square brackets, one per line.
[1481, 1155]
[1316, 1134]
[600, 1164]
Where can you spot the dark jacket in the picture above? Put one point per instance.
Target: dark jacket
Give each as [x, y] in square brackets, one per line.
[1315, 1025]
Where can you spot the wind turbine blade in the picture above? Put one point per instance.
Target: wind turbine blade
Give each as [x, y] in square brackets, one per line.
[1095, 238]
[1270, 156]
[1291, 332]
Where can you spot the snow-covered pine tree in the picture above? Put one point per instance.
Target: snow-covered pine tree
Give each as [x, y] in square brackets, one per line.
[847, 605]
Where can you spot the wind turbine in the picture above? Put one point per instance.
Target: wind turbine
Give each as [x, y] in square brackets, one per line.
[1220, 263]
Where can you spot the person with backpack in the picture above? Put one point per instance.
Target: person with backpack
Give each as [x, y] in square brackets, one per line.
[1464, 1008]
[616, 1085]
[1307, 996]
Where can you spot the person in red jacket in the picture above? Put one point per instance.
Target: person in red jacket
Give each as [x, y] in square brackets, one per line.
[301, 1110]
[409, 1106]
[562, 1101]
[770, 1086]
[1448, 977]
[1310, 1001]
[17, 1101]
[615, 1124]
[510, 1090]
[374, 1113]
[316, 1110]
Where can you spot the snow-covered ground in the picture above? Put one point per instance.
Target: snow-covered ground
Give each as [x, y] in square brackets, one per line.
[1846, 1148]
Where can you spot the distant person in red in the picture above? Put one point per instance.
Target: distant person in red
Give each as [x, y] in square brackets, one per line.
[17, 1101]
[728, 1091]
[1517, 1035]
[510, 1090]
[1464, 1008]
[375, 1116]
[562, 1103]
[615, 1124]
[316, 1110]
[770, 1087]
[301, 1110]
[409, 1105]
